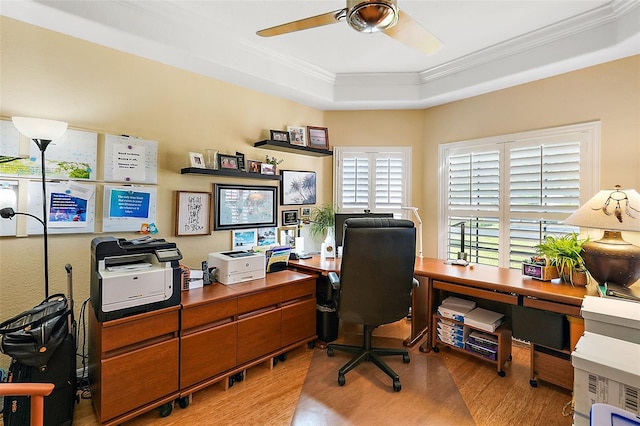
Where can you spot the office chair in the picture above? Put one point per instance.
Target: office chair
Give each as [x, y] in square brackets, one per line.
[375, 284]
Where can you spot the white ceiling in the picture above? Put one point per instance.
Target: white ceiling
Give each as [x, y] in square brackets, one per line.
[488, 45]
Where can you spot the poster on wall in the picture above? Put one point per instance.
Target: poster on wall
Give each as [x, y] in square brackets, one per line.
[72, 156]
[71, 207]
[8, 198]
[128, 208]
[131, 160]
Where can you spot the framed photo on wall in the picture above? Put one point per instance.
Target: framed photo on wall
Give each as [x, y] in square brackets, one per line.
[297, 187]
[317, 137]
[297, 136]
[289, 217]
[244, 206]
[193, 213]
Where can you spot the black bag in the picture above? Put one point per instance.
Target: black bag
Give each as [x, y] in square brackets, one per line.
[32, 336]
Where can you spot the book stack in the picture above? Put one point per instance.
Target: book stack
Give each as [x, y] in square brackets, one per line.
[483, 319]
[451, 332]
[485, 345]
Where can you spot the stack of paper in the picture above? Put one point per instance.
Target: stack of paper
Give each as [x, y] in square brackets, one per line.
[455, 308]
[483, 319]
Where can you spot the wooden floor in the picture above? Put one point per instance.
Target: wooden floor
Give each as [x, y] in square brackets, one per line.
[270, 396]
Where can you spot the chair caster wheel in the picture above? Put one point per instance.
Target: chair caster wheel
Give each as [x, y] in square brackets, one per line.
[165, 409]
[341, 379]
[533, 383]
[397, 386]
[330, 352]
[311, 345]
[501, 373]
[406, 359]
[183, 402]
[436, 349]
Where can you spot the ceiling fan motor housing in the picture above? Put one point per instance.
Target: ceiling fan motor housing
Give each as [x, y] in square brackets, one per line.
[372, 15]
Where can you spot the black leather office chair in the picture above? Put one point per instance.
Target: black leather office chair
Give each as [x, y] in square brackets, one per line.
[375, 284]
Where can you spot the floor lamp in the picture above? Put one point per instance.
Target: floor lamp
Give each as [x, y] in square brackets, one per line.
[42, 132]
[414, 210]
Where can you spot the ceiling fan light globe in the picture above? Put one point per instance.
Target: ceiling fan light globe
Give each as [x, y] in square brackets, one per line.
[373, 16]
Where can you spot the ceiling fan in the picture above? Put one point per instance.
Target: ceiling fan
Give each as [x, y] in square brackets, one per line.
[368, 16]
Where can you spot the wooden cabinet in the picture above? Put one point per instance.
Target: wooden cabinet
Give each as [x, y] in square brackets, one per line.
[133, 363]
[229, 328]
[551, 365]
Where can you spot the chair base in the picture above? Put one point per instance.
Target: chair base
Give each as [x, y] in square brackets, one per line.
[368, 353]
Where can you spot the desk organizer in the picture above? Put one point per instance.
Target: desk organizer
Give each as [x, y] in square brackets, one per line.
[540, 272]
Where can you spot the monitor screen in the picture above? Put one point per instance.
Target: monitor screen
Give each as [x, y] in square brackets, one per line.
[341, 217]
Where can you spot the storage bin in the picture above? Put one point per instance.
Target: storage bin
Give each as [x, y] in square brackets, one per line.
[612, 317]
[542, 327]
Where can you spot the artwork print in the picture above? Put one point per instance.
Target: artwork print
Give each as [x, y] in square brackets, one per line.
[298, 187]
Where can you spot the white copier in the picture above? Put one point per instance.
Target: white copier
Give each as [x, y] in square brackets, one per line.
[234, 267]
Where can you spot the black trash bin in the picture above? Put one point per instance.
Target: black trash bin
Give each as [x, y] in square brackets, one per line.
[326, 322]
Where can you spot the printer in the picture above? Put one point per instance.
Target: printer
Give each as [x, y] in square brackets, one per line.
[237, 266]
[133, 276]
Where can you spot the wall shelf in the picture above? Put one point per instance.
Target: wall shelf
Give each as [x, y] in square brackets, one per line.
[287, 147]
[227, 173]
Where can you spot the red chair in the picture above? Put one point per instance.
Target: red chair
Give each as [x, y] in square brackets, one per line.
[37, 392]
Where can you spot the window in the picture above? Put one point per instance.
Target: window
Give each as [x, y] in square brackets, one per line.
[510, 191]
[372, 178]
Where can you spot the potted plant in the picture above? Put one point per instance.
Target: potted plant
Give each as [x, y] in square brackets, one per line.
[565, 252]
[322, 220]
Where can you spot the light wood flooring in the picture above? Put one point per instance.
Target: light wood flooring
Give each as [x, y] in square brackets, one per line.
[270, 396]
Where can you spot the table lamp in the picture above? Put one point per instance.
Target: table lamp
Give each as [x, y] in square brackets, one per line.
[42, 132]
[611, 260]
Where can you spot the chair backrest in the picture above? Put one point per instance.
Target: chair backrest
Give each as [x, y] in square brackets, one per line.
[376, 275]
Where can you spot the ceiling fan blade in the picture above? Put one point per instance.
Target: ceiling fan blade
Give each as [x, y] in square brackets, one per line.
[409, 32]
[304, 24]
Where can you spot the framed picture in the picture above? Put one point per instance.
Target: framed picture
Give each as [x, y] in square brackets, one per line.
[317, 137]
[193, 213]
[244, 239]
[297, 136]
[297, 187]
[279, 135]
[267, 169]
[288, 236]
[227, 162]
[254, 166]
[240, 160]
[267, 236]
[196, 159]
[305, 213]
[289, 217]
[244, 206]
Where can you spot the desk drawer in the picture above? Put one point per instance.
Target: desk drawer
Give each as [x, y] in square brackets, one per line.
[207, 314]
[257, 301]
[298, 290]
[476, 292]
[137, 329]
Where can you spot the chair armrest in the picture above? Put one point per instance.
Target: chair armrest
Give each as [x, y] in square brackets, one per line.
[334, 280]
[416, 283]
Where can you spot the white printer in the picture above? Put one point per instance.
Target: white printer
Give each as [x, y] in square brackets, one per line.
[237, 266]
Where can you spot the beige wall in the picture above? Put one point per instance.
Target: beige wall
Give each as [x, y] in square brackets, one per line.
[48, 75]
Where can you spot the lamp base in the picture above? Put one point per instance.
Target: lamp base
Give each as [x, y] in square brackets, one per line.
[612, 260]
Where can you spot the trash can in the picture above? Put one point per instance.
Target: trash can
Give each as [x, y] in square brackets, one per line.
[326, 322]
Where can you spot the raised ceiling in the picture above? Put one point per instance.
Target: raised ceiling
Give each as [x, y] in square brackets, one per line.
[487, 45]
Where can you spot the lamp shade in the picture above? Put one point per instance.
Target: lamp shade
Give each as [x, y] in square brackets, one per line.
[610, 210]
[39, 128]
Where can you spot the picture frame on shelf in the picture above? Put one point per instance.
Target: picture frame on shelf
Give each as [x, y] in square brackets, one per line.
[297, 136]
[279, 135]
[318, 137]
[244, 206]
[193, 213]
[241, 164]
[227, 162]
[267, 236]
[196, 159]
[289, 217]
[297, 187]
[244, 239]
[267, 169]
[254, 166]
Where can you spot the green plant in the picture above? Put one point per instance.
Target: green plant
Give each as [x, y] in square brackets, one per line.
[272, 160]
[565, 253]
[322, 218]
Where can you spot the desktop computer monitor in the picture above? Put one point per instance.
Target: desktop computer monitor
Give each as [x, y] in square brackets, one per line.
[341, 217]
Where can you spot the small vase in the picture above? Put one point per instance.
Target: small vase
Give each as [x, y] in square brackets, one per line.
[329, 244]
